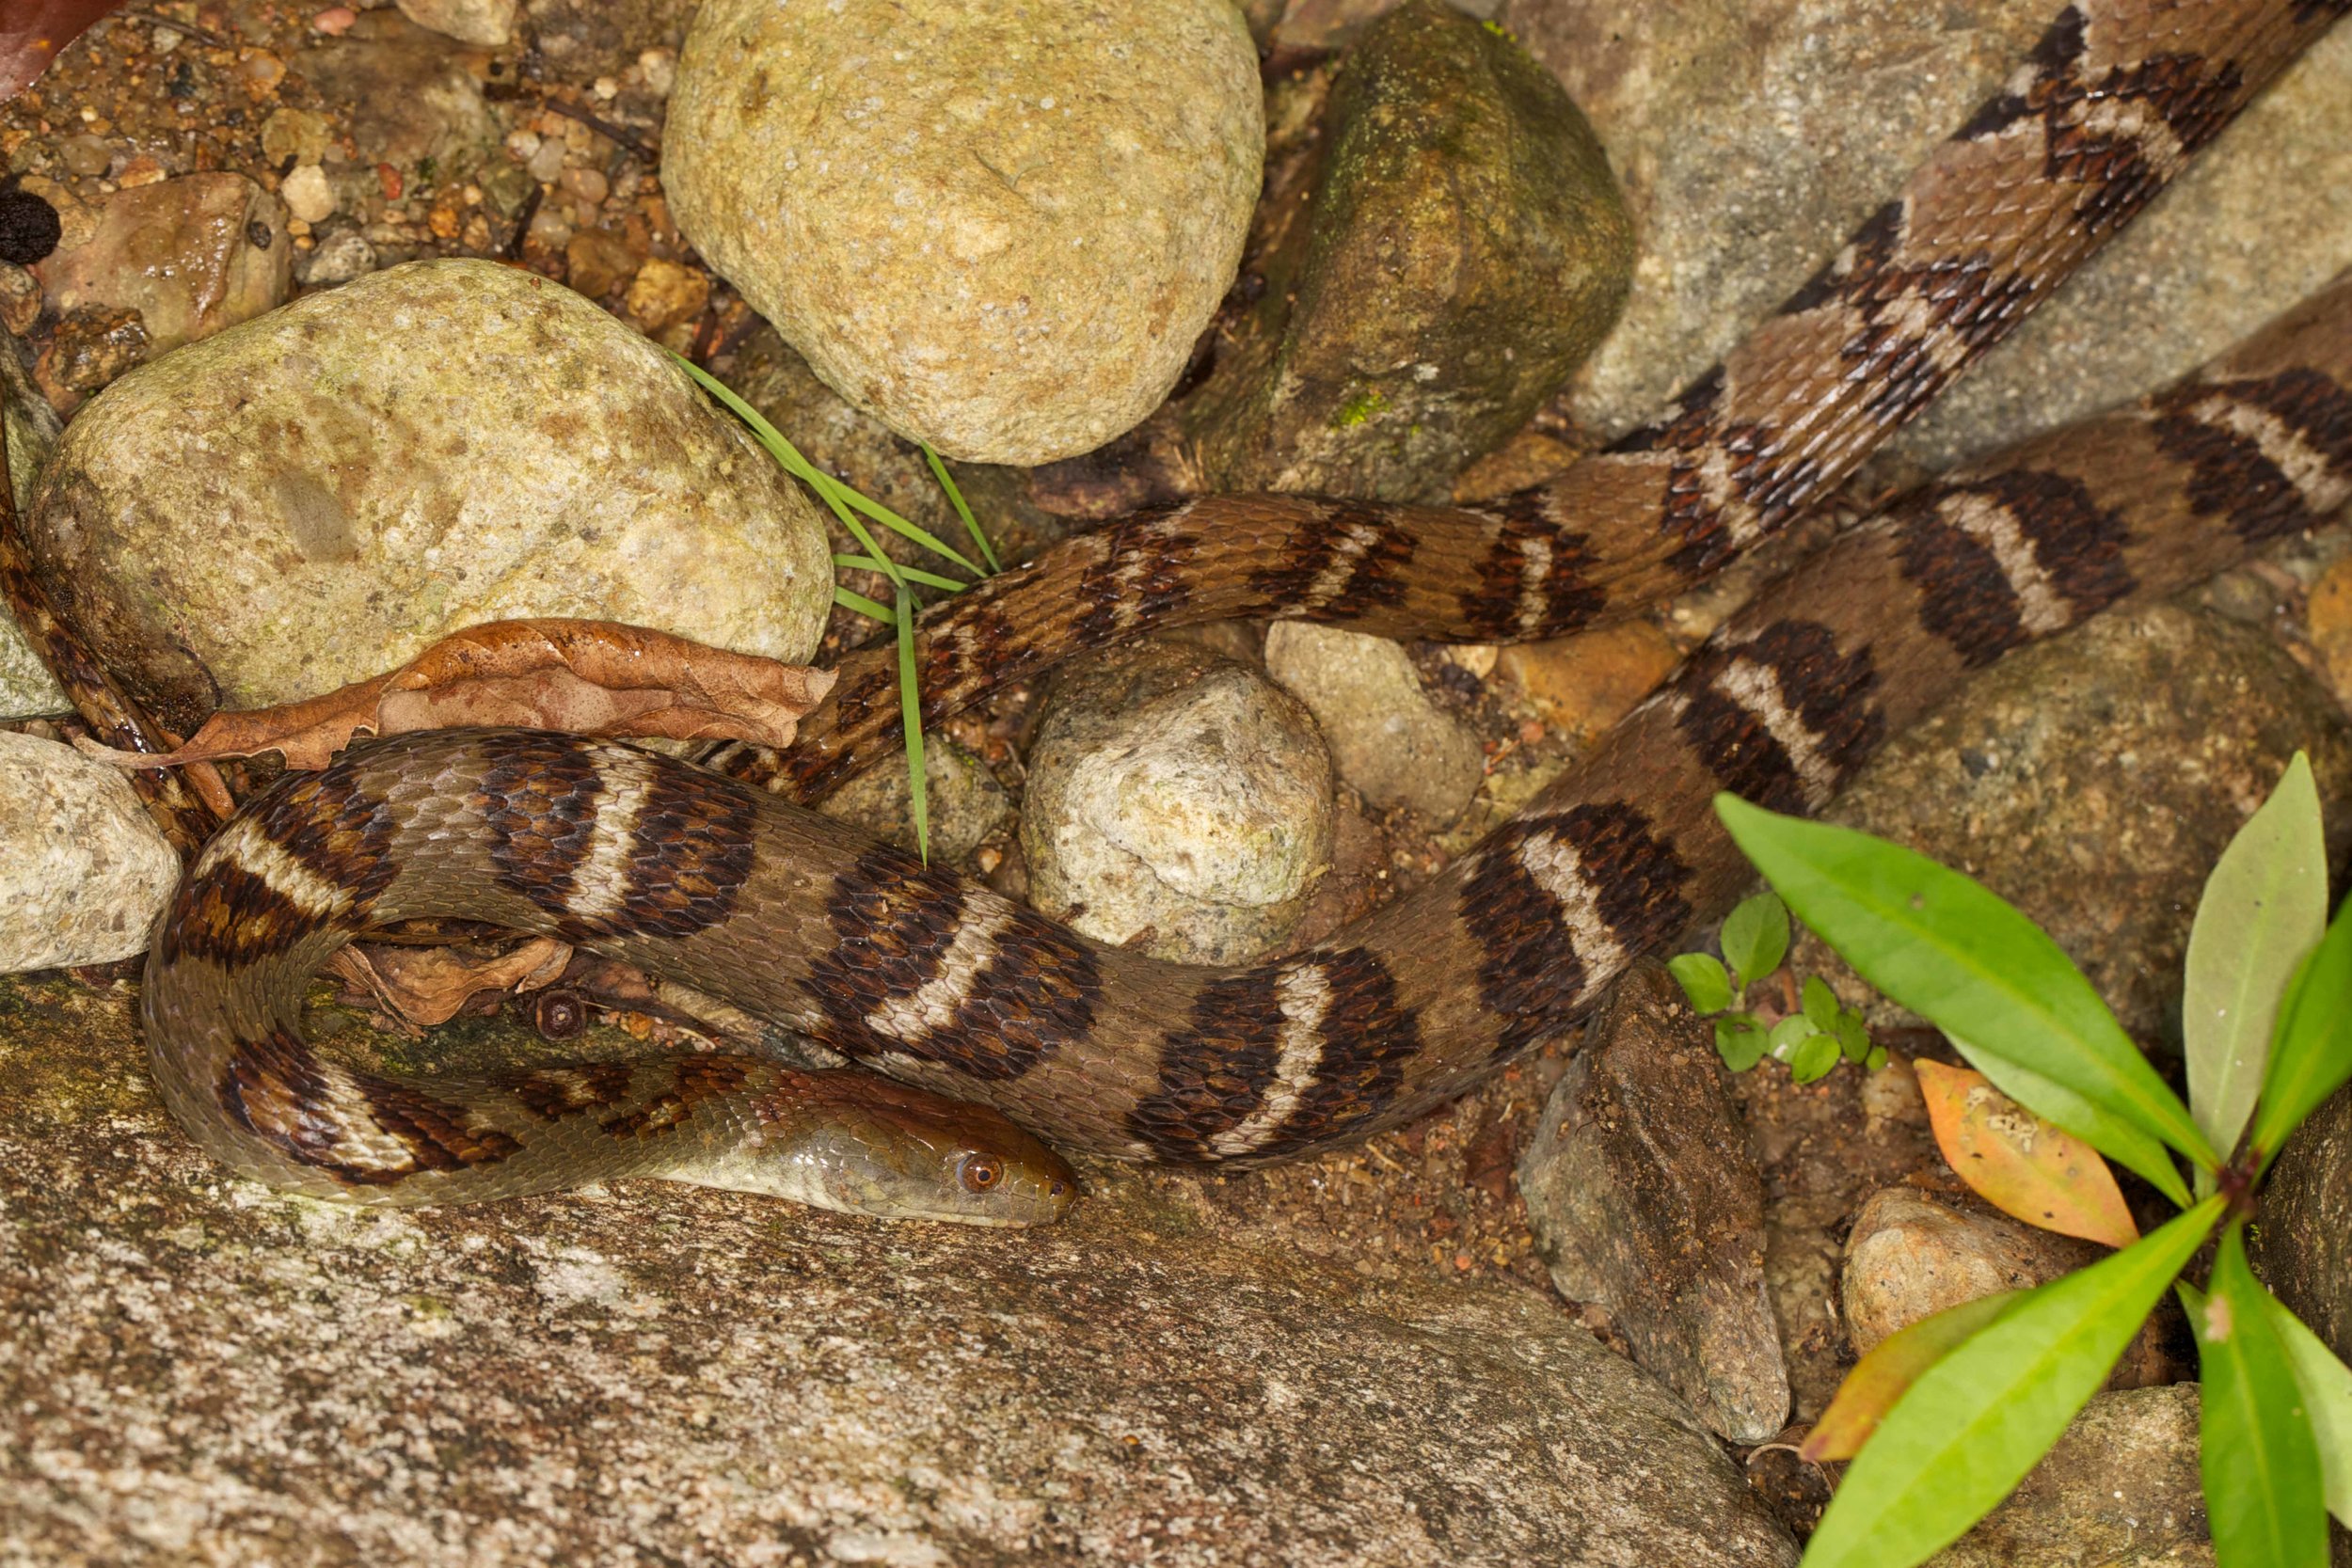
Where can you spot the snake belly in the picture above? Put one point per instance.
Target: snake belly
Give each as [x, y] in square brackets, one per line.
[723, 883]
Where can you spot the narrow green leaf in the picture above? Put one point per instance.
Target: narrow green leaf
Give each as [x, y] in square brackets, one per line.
[1820, 1003]
[896, 524]
[1755, 937]
[1889, 1370]
[1953, 952]
[1813, 1058]
[1703, 981]
[911, 715]
[2326, 1384]
[2313, 1053]
[864, 605]
[2261, 1466]
[955, 498]
[2111, 1136]
[1977, 1421]
[2265, 908]
[914, 573]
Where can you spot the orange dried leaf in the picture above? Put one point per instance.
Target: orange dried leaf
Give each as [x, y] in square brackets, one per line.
[1894, 1364]
[428, 985]
[592, 678]
[2020, 1164]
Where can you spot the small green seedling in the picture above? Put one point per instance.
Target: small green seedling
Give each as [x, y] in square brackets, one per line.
[851, 507]
[1809, 1029]
[1943, 1419]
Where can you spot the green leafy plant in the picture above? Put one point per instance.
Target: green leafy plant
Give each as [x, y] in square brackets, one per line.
[1943, 1419]
[1808, 1028]
[853, 508]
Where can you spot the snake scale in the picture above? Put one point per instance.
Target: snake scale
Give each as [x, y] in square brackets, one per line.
[720, 879]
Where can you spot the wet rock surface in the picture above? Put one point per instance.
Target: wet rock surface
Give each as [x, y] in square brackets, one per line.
[314, 496]
[2093, 780]
[1464, 250]
[1641, 1189]
[1060, 191]
[82, 872]
[226, 1373]
[1178, 802]
[1388, 736]
[30, 428]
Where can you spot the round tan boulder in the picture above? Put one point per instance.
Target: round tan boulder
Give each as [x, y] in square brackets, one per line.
[998, 225]
[315, 495]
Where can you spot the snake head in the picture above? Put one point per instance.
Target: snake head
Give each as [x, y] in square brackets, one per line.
[868, 1146]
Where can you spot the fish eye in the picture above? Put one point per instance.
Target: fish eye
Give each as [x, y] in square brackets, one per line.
[980, 1172]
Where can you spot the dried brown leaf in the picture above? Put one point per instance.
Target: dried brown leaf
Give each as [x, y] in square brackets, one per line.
[32, 31]
[428, 985]
[592, 678]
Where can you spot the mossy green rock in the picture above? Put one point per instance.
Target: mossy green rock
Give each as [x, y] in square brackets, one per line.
[1465, 249]
[315, 495]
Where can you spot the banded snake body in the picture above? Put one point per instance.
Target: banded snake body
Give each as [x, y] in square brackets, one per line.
[719, 879]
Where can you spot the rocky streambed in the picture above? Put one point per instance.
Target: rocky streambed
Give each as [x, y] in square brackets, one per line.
[1408, 252]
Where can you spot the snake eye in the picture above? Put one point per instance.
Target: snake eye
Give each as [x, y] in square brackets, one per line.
[980, 1172]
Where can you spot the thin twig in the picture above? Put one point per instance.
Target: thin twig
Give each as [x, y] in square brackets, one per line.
[186, 29]
[187, 820]
[605, 128]
[522, 221]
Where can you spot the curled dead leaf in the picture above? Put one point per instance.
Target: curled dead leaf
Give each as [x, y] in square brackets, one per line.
[2020, 1164]
[426, 986]
[591, 677]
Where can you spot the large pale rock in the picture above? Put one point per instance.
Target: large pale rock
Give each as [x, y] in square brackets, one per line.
[83, 870]
[198, 1371]
[1390, 740]
[2093, 780]
[1910, 1257]
[1753, 135]
[1464, 251]
[999, 225]
[313, 497]
[1644, 1197]
[1178, 801]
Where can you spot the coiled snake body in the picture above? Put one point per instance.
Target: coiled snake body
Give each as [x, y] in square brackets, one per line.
[919, 974]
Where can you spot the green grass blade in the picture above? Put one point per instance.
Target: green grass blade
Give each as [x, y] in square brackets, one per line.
[2326, 1384]
[910, 714]
[1953, 952]
[2261, 1466]
[864, 605]
[912, 573]
[2264, 909]
[2314, 1052]
[955, 498]
[1977, 1421]
[896, 524]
